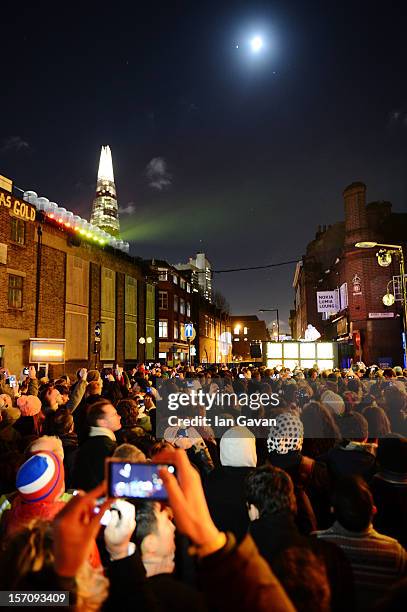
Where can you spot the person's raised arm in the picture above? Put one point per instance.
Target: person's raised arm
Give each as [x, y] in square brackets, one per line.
[234, 576]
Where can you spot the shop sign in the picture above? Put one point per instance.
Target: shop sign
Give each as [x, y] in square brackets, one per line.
[19, 208]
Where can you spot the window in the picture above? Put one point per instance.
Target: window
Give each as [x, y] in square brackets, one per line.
[188, 309]
[245, 331]
[175, 279]
[15, 291]
[236, 331]
[188, 287]
[163, 274]
[175, 303]
[182, 283]
[17, 230]
[163, 328]
[176, 330]
[182, 306]
[163, 300]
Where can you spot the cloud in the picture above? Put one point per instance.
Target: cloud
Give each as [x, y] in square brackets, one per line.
[157, 174]
[127, 210]
[13, 143]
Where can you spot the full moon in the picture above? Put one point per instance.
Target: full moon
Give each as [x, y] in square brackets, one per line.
[256, 44]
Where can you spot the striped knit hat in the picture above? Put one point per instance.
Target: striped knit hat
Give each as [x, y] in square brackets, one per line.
[41, 477]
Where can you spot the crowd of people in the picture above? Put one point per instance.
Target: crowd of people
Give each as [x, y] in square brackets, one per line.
[307, 514]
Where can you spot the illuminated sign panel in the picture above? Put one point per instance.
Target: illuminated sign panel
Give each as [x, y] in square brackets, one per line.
[301, 354]
[18, 208]
[47, 350]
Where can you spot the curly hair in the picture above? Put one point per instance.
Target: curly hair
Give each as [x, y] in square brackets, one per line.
[271, 490]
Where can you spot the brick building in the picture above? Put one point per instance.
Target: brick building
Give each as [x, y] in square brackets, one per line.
[366, 329]
[55, 284]
[248, 333]
[180, 301]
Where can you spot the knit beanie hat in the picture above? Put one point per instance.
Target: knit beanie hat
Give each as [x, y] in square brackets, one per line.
[41, 477]
[29, 405]
[286, 435]
[238, 448]
[333, 402]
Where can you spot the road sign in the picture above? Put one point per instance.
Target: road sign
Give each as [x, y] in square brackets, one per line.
[188, 330]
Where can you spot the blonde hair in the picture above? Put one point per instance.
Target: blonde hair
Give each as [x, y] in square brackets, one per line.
[51, 444]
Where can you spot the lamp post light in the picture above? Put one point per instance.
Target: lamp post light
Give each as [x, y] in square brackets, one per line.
[384, 257]
[278, 319]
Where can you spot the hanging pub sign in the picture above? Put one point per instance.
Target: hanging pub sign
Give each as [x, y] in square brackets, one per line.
[357, 285]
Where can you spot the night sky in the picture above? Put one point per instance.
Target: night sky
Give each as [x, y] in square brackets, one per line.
[214, 148]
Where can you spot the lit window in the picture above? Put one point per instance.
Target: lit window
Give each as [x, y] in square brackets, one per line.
[163, 300]
[182, 306]
[188, 309]
[175, 279]
[175, 303]
[162, 275]
[182, 283]
[163, 328]
[176, 330]
[236, 331]
[245, 331]
[17, 230]
[188, 288]
[15, 291]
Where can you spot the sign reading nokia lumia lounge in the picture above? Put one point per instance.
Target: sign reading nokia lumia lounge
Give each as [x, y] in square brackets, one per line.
[18, 208]
[328, 301]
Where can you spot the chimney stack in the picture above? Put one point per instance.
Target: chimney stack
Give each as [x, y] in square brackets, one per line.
[356, 229]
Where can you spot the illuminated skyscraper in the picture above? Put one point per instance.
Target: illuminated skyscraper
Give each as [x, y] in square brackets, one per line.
[105, 212]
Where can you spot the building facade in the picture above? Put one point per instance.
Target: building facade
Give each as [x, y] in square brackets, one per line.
[180, 302]
[57, 284]
[248, 333]
[200, 271]
[366, 329]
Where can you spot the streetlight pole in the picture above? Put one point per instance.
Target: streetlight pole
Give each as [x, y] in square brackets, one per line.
[395, 249]
[278, 319]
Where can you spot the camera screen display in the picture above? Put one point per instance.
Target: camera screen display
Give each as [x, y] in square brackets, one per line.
[137, 480]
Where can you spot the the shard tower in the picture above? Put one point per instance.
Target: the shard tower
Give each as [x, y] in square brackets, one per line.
[105, 212]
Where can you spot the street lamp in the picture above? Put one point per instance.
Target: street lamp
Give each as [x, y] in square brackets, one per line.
[278, 319]
[384, 260]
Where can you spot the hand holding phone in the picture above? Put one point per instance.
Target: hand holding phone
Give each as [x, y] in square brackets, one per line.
[136, 480]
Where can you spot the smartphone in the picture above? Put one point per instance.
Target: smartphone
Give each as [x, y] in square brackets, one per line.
[241, 375]
[148, 390]
[136, 480]
[25, 371]
[12, 381]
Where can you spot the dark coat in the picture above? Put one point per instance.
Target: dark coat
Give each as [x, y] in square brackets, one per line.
[89, 469]
[225, 491]
[345, 462]
[276, 533]
[389, 492]
[312, 488]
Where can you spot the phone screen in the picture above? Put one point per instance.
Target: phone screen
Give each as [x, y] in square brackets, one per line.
[12, 381]
[136, 480]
